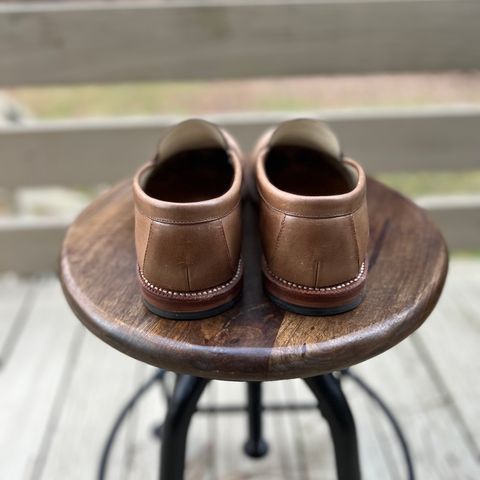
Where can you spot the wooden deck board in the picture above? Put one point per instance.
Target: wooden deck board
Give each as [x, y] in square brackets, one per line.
[309, 433]
[450, 343]
[30, 381]
[144, 448]
[61, 389]
[288, 432]
[231, 463]
[16, 298]
[423, 409]
[89, 411]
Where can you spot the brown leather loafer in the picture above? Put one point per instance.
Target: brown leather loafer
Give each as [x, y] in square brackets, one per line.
[188, 224]
[313, 219]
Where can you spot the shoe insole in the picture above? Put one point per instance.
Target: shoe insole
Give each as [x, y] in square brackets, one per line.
[305, 171]
[191, 176]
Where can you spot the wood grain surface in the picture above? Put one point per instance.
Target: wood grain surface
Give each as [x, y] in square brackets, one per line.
[255, 340]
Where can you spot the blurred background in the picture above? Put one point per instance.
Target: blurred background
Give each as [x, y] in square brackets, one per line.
[86, 89]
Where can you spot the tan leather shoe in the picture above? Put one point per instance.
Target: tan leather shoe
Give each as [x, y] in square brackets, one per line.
[313, 219]
[188, 224]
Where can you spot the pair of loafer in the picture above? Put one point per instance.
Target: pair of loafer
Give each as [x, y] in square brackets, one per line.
[313, 220]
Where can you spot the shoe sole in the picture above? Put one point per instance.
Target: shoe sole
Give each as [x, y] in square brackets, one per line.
[315, 312]
[192, 305]
[191, 315]
[321, 301]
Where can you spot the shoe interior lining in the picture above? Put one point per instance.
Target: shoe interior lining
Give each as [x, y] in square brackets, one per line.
[191, 176]
[305, 171]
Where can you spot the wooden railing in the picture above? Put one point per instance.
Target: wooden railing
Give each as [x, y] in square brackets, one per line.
[78, 42]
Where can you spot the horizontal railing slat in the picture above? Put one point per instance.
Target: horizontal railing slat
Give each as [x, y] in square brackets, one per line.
[34, 246]
[77, 42]
[86, 153]
[31, 246]
[458, 218]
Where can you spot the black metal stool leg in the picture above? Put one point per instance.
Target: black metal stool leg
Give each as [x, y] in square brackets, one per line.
[183, 403]
[255, 446]
[334, 407]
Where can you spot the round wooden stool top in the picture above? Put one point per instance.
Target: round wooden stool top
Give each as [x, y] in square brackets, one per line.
[255, 340]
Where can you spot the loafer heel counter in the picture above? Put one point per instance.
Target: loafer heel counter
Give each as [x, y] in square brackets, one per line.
[314, 252]
[187, 269]
[188, 257]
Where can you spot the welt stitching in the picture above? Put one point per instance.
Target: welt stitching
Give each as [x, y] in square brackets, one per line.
[222, 228]
[277, 240]
[310, 217]
[352, 222]
[198, 293]
[338, 286]
[179, 222]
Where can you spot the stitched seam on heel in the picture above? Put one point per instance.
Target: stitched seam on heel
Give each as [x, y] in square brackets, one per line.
[148, 244]
[277, 240]
[230, 259]
[357, 246]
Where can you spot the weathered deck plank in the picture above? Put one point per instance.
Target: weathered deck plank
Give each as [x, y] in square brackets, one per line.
[422, 408]
[14, 307]
[30, 382]
[231, 463]
[313, 439]
[449, 344]
[144, 448]
[291, 448]
[90, 410]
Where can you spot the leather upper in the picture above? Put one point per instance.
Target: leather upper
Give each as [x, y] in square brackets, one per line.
[189, 245]
[311, 240]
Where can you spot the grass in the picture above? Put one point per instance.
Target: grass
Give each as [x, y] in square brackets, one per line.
[434, 183]
[287, 94]
[290, 94]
